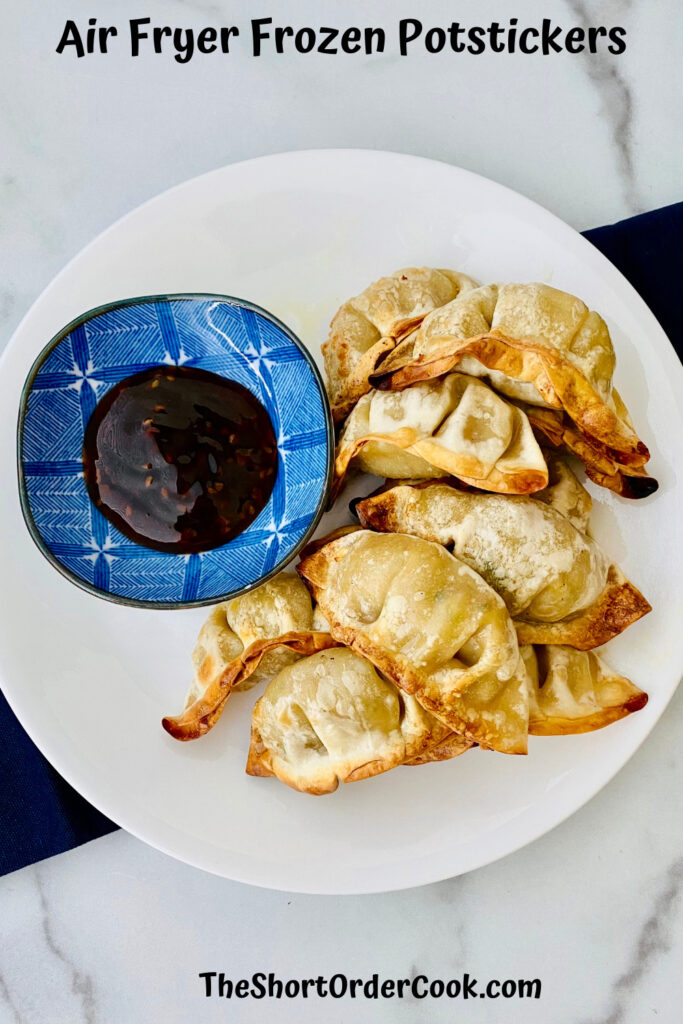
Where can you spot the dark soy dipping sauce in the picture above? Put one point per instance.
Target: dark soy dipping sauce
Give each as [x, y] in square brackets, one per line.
[179, 459]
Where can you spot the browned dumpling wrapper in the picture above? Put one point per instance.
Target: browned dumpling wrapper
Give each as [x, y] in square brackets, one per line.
[244, 642]
[368, 326]
[431, 625]
[456, 425]
[535, 344]
[452, 746]
[557, 583]
[566, 494]
[332, 718]
[570, 692]
[557, 429]
[575, 691]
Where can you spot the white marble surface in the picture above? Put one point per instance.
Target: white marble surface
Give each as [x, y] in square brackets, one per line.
[116, 932]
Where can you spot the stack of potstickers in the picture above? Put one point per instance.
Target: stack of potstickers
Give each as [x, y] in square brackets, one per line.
[466, 608]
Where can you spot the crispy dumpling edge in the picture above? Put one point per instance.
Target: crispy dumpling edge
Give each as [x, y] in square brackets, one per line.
[197, 719]
[437, 743]
[446, 749]
[545, 367]
[563, 726]
[314, 571]
[620, 604]
[357, 378]
[520, 481]
[259, 761]
[556, 429]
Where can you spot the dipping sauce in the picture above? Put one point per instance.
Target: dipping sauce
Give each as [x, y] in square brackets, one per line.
[179, 459]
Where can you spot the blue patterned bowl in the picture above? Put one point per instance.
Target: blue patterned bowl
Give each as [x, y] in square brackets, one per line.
[213, 332]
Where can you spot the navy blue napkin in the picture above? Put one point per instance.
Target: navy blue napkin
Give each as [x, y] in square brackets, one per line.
[41, 815]
[647, 250]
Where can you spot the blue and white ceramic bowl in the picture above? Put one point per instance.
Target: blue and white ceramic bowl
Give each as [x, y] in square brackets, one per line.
[224, 335]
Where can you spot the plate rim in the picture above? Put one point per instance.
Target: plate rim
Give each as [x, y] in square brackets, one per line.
[419, 875]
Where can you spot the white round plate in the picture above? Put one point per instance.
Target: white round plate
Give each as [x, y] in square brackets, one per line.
[299, 233]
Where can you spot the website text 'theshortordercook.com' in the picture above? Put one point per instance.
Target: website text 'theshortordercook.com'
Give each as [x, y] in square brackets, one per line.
[340, 986]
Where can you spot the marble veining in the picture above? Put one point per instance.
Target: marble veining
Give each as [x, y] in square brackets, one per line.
[81, 982]
[616, 96]
[654, 939]
[12, 1014]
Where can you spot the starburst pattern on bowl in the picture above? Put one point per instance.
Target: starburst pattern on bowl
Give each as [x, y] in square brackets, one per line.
[224, 336]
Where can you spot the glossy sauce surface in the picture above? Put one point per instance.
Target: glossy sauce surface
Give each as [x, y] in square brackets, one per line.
[180, 459]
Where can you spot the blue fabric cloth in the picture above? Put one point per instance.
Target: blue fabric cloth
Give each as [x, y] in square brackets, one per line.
[647, 250]
[41, 815]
